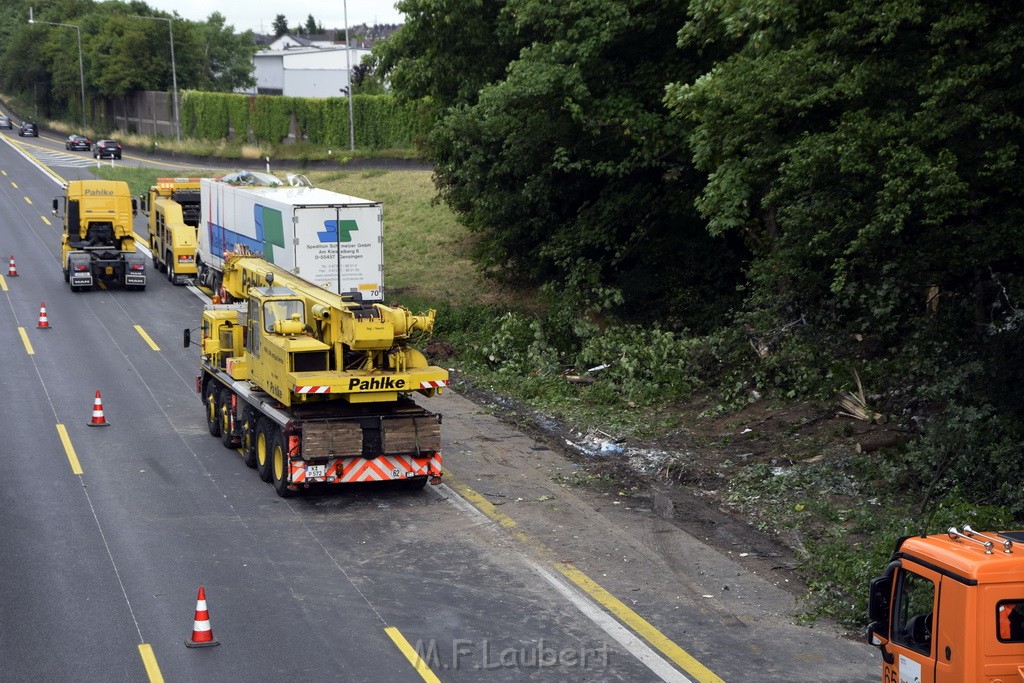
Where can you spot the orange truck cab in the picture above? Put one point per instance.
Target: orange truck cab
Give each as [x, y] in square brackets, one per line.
[950, 609]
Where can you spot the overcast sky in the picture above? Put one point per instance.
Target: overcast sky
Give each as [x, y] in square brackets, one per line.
[329, 13]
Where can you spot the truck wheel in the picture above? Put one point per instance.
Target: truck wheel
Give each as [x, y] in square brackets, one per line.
[160, 267]
[67, 275]
[264, 440]
[212, 409]
[279, 466]
[224, 404]
[171, 277]
[249, 436]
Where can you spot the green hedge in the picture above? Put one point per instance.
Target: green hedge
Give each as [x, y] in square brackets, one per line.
[380, 120]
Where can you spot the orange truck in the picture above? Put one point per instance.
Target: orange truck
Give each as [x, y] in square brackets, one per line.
[950, 609]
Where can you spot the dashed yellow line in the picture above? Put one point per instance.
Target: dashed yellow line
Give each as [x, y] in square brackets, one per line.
[24, 339]
[417, 662]
[149, 661]
[14, 185]
[69, 449]
[45, 219]
[142, 333]
[641, 626]
[28, 200]
[3, 283]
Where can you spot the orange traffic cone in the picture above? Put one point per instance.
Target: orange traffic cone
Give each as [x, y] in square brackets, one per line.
[44, 324]
[97, 413]
[202, 634]
[12, 271]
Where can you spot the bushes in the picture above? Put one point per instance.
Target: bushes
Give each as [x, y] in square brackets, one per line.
[380, 120]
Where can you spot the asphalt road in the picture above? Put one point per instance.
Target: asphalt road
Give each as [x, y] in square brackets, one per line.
[108, 532]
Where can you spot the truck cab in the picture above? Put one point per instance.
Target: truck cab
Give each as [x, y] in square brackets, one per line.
[950, 608]
[173, 212]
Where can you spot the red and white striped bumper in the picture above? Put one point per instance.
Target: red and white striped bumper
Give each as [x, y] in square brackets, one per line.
[353, 470]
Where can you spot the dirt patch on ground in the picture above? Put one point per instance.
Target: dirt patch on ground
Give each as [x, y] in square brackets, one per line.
[683, 476]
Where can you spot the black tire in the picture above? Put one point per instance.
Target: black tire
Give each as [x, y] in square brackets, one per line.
[279, 465]
[160, 267]
[67, 275]
[264, 440]
[117, 156]
[171, 277]
[224, 410]
[212, 408]
[248, 435]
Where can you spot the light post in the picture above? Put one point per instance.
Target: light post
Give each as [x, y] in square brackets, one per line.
[348, 59]
[81, 68]
[174, 72]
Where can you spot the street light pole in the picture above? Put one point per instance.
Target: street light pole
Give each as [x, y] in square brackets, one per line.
[81, 67]
[348, 58]
[174, 73]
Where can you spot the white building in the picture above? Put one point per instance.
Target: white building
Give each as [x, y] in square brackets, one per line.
[309, 70]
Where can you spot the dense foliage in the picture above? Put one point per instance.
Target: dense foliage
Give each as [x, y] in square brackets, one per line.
[755, 200]
[121, 53]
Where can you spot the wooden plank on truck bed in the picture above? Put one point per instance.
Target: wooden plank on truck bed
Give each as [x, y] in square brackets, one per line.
[325, 439]
[412, 435]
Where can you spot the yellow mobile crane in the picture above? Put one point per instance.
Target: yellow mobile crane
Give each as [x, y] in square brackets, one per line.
[316, 387]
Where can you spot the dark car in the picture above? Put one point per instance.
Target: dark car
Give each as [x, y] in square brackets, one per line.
[5, 122]
[106, 148]
[78, 142]
[28, 129]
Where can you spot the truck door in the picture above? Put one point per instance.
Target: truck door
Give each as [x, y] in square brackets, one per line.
[914, 619]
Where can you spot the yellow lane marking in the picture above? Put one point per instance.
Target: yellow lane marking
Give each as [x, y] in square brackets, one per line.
[417, 662]
[149, 661]
[640, 625]
[69, 449]
[4, 172]
[24, 339]
[652, 635]
[142, 332]
[14, 185]
[3, 283]
[28, 200]
[45, 219]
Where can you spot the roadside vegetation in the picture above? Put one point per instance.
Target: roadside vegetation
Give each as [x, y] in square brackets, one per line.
[784, 263]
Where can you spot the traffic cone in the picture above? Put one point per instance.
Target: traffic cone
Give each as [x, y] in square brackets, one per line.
[44, 324]
[12, 271]
[97, 413]
[202, 634]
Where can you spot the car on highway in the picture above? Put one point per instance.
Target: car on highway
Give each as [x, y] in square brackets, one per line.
[107, 148]
[79, 142]
[5, 122]
[28, 129]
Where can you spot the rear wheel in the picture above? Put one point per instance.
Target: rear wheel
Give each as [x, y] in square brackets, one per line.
[414, 484]
[224, 404]
[248, 436]
[170, 269]
[279, 465]
[212, 409]
[264, 440]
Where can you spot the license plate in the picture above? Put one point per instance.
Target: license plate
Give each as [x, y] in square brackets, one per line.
[316, 470]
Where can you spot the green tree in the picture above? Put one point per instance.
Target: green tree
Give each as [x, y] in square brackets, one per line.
[565, 161]
[280, 26]
[311, 26]
[224, 57]
[867, 152]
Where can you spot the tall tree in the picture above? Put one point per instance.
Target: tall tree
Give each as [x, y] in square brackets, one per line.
[563, 159]
[280, 25]
[311, 26]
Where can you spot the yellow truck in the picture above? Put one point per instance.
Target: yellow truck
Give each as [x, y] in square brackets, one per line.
[98, 240]
[314, 386]
[173, 212]
[950, 608]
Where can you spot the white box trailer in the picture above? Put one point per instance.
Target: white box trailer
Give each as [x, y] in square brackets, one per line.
[332, 240]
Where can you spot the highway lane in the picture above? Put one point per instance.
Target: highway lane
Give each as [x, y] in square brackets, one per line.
[296, 588]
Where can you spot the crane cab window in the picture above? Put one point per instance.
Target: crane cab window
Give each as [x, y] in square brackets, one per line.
[1010, 621]
[915, 600]
[282, 309]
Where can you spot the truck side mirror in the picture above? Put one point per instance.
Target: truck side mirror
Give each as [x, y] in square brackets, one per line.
[187, 337]
[135, 207]
[55, 205]
[879, 598]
